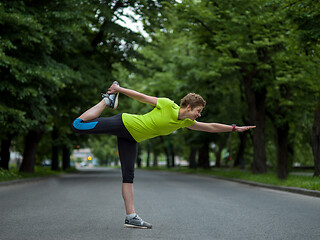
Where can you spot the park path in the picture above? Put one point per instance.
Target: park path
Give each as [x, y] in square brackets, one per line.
[88, 205]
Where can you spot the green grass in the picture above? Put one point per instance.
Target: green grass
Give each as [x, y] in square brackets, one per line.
[14, 174]
[306, 182]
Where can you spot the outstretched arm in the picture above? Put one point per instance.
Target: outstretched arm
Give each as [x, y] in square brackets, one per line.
[217, 127]
[133, 94]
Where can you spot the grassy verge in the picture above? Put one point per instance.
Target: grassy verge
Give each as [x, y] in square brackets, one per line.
[14, 174]
[306, 182]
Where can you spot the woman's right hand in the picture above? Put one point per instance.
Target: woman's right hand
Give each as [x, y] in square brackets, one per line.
[114, 88]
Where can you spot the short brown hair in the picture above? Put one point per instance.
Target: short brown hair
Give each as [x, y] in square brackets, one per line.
[192, 99]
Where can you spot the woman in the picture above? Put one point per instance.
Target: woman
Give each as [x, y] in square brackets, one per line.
[131, 129]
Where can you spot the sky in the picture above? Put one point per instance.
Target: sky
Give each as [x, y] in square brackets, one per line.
[128, 23]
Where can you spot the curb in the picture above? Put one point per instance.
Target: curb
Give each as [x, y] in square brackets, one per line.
[27, 180]
[303, 191]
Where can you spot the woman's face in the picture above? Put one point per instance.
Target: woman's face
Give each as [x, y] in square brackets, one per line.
[194, 113]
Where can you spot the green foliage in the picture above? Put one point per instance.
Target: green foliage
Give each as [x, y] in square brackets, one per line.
[104, 148]
[13, 174]
[31, 73]
[209, 47]
[55, 59]
[57, 56]
[6, 175]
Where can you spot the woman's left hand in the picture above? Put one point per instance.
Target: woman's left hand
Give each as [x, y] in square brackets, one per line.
[244, 128]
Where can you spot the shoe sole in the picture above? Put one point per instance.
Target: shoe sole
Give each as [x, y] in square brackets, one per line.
[134, 226]
[116, 102]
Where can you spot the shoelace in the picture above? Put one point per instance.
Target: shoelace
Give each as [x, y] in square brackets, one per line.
[140, 219]
[137, 218]
[105, 95]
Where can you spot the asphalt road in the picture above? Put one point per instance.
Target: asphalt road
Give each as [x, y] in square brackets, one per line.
[89, 206]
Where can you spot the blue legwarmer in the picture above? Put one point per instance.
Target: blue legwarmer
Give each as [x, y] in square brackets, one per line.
[127, 146]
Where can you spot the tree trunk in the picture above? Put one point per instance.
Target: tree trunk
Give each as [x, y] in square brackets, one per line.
[203, 160]
[155, 159]
[173, 164]
[148, 156]
[65, 157]
[256, 103]
[5, 151]
[315, 140]
[239, 161]
[30, 148]
[221, 146]
[139, 161]
[169, 147]
[55, 150]
[282, 151]
[218, 158]
[192, 157]
[166, 149]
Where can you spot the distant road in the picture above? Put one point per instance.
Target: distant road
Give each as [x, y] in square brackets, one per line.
[88, 205]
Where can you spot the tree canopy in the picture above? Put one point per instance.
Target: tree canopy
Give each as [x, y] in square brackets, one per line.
[254, 62]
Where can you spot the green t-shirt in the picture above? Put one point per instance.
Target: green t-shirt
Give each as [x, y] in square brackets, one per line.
[162, 120]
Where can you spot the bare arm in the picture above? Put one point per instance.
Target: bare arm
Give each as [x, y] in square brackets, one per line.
[133, 94]
[217, 127]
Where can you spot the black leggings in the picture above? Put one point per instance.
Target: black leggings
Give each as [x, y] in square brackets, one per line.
[127, 146]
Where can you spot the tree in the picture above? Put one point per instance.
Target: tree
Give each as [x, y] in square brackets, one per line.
[305, 18]
[29, 72]
[235, 47]
[247, 41]
[54, 57]
[174, 65]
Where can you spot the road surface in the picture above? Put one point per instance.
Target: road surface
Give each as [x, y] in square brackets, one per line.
[88, 205]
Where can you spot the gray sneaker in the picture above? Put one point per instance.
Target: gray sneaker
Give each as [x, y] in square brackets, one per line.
[136, 222]
[111, 99]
